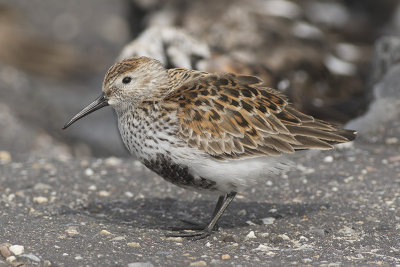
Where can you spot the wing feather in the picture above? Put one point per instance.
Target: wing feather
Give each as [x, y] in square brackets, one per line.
[233, 117]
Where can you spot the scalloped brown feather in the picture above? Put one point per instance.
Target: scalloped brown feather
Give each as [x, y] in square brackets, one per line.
[231, 117]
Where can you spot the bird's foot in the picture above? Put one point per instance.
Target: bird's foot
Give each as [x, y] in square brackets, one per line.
[194, 226]
[194, 235]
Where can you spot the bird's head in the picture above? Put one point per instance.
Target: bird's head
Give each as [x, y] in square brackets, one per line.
[128, 83]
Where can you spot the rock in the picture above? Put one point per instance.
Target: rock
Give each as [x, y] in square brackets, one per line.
[173, 238]
[128, 194]
[41, 187]
[303, 239]
[72, 231]
[268, 220]
[242, 212]
[225, 257]
[104, 232]
[251, 235]
[118, 238]
[171, 46]
[392, 140]
[284, 237]
[263, 247]
[30, 256]
[16, 249]
[104, 193]
[4, 251]
[40, 200]
[92, 187]
[140, 264]
[89, 172]
[133, 244]
[229, 238]
[198, 263]
[11, 259]
[112, 161]
[5, 156]
[385, 105]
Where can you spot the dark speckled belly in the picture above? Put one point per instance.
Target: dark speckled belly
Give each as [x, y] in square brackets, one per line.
[177, 174]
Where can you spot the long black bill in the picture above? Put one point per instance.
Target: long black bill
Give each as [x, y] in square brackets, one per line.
[99, 103]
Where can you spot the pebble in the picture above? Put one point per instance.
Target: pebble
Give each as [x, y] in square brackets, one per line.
[79, 257]
[176, 239]
[89, 172]
[262, 247]
[103, 193]
[16, 249]
[128, 194]
[30, 256]
[229, 238]
[4, 251]
[303, 239]
[72, 231]
[348, 179]
[40, 200]
[251, 235]
[137, 164]
[225, 257]
[284, 237]
[242, 212]
[105, 232]
[133, 244]
[140, 264]
[268, 220]
[318, 232]
[328, 159]
[112, 161]
[118, 238]
[198, 263]
[264, 234]
[11, 259]
[41, 187]
[5, 156]
[92, 188]
[391, 140]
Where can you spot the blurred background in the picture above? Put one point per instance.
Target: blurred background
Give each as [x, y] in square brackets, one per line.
[327, 56]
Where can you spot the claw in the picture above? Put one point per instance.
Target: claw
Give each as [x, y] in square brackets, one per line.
[194, 235]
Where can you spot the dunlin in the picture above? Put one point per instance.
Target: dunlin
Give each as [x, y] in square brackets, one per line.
[205, 131]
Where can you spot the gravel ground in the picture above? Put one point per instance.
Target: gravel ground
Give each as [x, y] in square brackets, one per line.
[338, 207]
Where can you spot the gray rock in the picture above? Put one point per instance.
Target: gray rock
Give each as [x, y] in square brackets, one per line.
[140, 264]
[385, 105]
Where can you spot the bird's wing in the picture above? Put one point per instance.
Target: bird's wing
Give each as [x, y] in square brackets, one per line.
[232, 117]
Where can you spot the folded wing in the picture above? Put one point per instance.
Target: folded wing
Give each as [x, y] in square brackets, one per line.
[232, 117]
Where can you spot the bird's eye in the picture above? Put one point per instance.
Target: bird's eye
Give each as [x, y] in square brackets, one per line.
[126, 79]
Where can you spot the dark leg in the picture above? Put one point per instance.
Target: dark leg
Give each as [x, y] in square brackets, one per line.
[222, 204]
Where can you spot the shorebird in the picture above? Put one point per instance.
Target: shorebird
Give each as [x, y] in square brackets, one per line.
[209, 132]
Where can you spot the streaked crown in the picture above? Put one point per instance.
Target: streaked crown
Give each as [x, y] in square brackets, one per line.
[133, 80]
